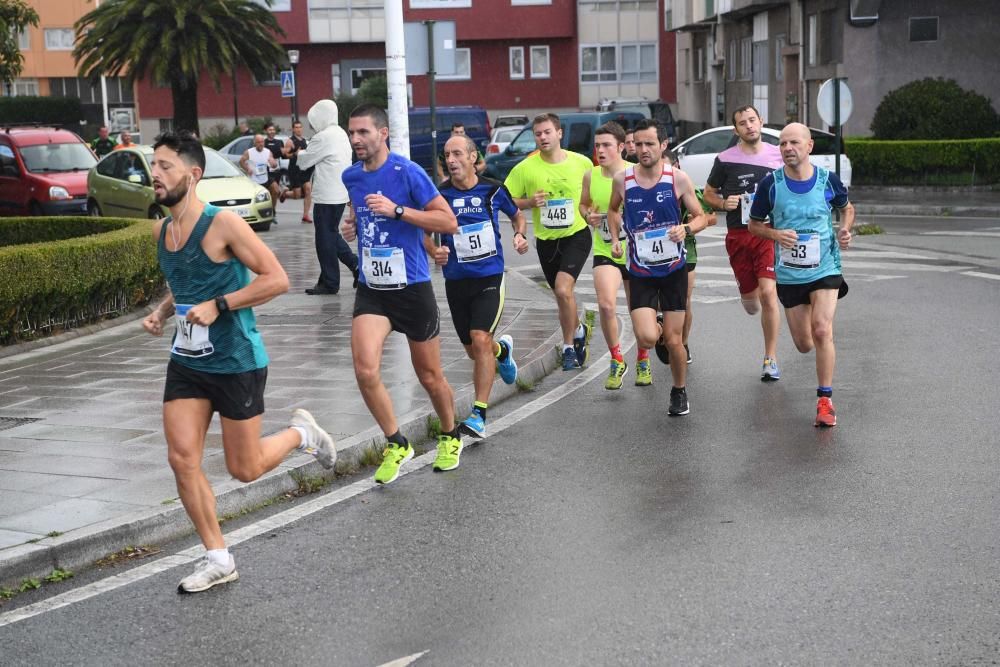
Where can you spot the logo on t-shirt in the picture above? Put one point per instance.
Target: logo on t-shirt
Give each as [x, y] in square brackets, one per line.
[476, 201]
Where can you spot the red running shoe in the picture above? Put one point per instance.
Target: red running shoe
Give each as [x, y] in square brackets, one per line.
[825, 414]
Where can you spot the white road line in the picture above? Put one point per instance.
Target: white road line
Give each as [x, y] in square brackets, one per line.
[303, 510]
[977, 233]
[405, 660]
[900, 267]
[978, 274]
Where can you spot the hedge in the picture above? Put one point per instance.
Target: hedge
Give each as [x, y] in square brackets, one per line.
[53, 285]
[45, 110]
[917, 162]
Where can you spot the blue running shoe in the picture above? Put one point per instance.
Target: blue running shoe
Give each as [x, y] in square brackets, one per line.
[507, 367]
[475, 424]
[581, 345]
[569, 360]
[770, 372]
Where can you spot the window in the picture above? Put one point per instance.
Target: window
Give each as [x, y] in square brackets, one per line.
[23, 87]
[598, 63]
[760, 61]
[668, 15]
[813, 36]
[276, 5]
[23, 40]
[699, 64]
[530, 2]
[359, 74]
[109, 165]
[439, 4]
[714, 141]
[346, 20]
[924, 29]
[516, 56]
[166, 125]
[746, 58]
[539, 61]
[524, 143]
[731, 63]
[59, 39]
[8, 165]
[580, 140]
[463, 66]
[638, 62]
[779, 60]
[272, 78]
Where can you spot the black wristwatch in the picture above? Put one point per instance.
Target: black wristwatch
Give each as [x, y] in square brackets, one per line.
[398, 212]
[220, 303]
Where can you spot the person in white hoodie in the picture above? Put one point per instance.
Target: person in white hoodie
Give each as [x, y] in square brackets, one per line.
[329, 151]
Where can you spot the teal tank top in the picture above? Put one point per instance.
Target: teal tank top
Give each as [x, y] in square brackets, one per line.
[817, 253]
[232, 343]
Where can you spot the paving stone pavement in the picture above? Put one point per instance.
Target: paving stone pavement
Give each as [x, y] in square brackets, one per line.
[81, 441]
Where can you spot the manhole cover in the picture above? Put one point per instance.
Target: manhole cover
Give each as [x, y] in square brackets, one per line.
[14, 422]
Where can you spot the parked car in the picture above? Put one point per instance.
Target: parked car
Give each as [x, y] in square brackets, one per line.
[235, 149]
[510, 121]
[122, 185]
[657, 109]
[502, 136]
[43, 171]
[578, 135]
[697, 154]
[477, 126]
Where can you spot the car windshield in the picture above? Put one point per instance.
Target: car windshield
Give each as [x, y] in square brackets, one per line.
[524, 143]
[217, 166]
[507, 135]
[46, 158]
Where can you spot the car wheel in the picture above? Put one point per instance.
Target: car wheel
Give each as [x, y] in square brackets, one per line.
[156, 213]
[261, 227]
[93, 209]
[35, 209]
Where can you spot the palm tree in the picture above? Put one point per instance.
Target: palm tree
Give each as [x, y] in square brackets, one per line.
[176, 41]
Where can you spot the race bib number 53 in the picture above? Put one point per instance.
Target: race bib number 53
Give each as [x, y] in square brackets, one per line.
[804, 254]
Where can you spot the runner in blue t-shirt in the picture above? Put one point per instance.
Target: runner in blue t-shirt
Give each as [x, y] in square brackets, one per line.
[799, 199]
[393, 202]
[473, 266]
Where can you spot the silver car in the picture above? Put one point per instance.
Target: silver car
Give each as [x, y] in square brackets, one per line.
[235, 149]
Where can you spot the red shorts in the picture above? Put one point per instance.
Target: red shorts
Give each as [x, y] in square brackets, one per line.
[751, 258]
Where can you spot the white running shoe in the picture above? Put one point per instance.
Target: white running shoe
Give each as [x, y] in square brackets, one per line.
[208, 573]
[318, 442]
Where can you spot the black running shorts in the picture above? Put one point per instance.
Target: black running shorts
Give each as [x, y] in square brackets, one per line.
[567, 254]
[601, 260]
[668, 293]
[798, 295]
[412, 310]
[235, 396]
[475, 303]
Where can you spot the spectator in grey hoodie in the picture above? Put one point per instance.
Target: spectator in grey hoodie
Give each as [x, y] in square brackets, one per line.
[329, 151]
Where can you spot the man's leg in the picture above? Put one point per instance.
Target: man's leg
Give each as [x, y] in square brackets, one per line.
[344, 252]
[368, 334]
[770, 316]
[307, 189]
[800, 327]
[483, 354]
[564, 291]
[607, 280]
[327, 234]
[673, 335]
[824, 307]
[644, 325]
[247, 455]
[185, 422]
[426, 358]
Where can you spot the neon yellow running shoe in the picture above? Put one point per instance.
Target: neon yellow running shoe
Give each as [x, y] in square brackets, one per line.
[615, 374]
[449, 449]
[643, 374]
[392, 457]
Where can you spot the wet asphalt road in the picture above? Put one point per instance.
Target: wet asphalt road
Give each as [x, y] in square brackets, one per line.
[600, 531]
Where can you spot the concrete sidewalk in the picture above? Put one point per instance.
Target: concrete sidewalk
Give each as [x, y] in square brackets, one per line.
[972, 202]
[83, 469]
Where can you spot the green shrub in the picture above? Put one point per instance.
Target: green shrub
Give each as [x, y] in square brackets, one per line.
[45, 110]
[959, 162]
[15, 231]
[934, 109]
[48, 286]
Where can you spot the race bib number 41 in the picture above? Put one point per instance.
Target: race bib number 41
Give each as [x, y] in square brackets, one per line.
[475, 242]
[191, 340]
[385, 268]
[557, 213]
[653, 247]
[804, 254]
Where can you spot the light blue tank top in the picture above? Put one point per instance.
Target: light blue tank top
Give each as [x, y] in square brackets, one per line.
[817, 254]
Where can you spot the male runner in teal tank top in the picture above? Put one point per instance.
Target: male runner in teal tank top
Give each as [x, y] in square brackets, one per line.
[217, 360]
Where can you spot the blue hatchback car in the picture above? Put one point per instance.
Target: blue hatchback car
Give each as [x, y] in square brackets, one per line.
[477, 126]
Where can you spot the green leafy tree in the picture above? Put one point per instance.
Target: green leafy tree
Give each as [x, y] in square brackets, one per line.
[934, 109]
[174, 42]
[15, 16]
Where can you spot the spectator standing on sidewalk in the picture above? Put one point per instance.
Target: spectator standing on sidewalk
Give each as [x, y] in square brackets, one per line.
[299, 179]
[329, 153]
[103, 144]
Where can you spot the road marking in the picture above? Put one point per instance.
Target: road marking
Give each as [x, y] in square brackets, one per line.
[303, 510]
[982, 233]
[406, 660]
[977, 274]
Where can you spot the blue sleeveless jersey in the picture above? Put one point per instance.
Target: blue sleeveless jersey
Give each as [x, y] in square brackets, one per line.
[476, 251]
[649, 215]
[817, 254]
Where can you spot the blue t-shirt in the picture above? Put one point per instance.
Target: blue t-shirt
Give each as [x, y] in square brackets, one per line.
[478, 252]
[388, 248]
[835, 193]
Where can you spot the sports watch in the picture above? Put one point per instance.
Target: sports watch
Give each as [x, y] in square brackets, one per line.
[398, 212]
[220, 303]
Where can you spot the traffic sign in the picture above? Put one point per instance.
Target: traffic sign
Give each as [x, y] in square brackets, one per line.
[288, 83]
[826, 105]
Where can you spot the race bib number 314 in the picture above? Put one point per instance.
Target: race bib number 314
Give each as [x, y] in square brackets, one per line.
[385, 268]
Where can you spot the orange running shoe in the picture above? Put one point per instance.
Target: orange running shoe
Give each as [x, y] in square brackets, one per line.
[825, 414]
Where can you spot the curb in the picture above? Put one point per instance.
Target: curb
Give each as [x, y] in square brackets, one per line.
[927, 211]
[79, 332]
[81, 548]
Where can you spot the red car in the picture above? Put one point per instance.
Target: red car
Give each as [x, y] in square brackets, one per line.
[43, 171]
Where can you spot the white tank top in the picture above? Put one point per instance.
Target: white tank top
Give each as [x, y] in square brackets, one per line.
[258, 164]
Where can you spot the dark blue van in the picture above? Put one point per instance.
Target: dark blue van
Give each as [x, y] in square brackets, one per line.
[477, 126]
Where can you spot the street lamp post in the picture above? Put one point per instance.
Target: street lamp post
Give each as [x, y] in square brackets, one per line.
[293, 60]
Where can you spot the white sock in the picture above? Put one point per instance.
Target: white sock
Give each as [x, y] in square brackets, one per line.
[567, 347]
[579, 331]
[303, 435]
[219, 556]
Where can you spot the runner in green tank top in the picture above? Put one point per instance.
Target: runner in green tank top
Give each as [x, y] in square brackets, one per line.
[217, 361]
[609, 271]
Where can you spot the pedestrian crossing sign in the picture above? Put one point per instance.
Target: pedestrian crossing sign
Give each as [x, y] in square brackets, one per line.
[288, 83]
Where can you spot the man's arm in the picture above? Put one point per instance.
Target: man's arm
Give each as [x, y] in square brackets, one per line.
[685, 190]
[713, 189]
[313, 153]
[436, 215]
[245, 161]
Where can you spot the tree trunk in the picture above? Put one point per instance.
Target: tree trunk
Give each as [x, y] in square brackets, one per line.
[185, 98]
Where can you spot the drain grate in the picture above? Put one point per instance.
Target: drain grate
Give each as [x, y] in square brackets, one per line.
[14, 422]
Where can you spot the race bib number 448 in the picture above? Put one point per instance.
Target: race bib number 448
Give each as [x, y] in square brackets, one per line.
[557, 213]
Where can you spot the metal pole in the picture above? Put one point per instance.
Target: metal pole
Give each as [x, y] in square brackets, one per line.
[836, 122]
[295, 96]
[395, 73]
[236, 103]
[104, 89]
[433, 97]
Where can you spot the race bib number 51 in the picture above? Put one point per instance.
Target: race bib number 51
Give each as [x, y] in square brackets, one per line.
[191, 340]
[475, 242]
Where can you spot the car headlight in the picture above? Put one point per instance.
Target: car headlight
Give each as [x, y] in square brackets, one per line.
[262, 195]
[58, 192]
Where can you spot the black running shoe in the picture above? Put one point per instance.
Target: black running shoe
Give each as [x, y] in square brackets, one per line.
[662, 353]
[678, 402]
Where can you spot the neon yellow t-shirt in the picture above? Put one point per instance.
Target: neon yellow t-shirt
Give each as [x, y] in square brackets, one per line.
[563, 181]
[600, 198]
